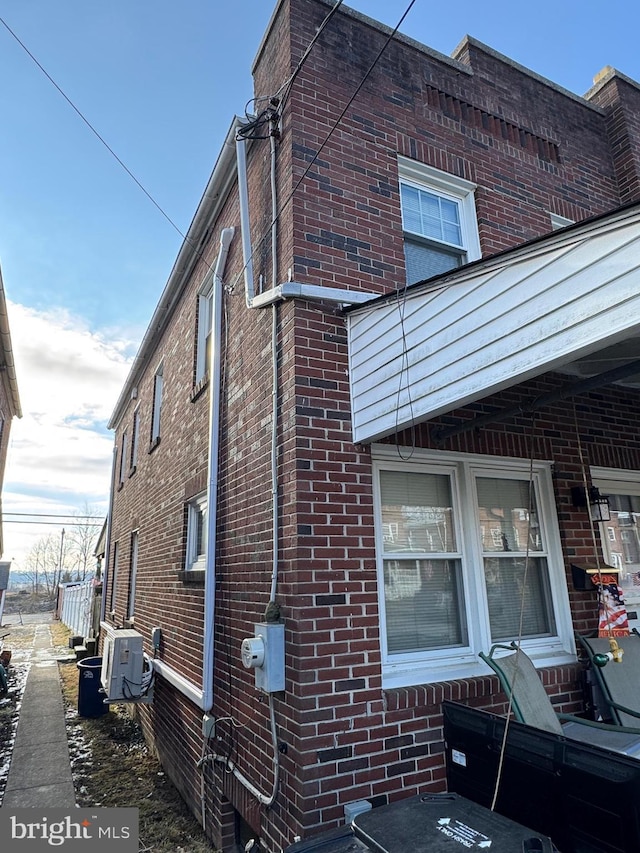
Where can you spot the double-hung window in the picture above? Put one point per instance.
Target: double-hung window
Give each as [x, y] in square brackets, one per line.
[621, 544]
[203, 341]
[158, 382]
[196, 533]
[123, 459]
[135, 431]
[438, 220]
[468, 555]
[133, 571]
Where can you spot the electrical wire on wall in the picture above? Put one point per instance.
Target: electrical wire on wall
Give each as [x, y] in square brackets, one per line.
[518, 642]
[255, 129]
[325, 141]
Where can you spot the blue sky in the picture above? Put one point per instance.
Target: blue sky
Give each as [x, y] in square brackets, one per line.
[85, 254]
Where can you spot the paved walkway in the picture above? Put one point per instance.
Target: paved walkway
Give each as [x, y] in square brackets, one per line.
[40, 771]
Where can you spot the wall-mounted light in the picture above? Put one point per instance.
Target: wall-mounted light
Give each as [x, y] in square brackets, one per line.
[598, 504]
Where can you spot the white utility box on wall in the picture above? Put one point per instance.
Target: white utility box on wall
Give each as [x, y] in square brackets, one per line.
[122, 664]
[264, 653]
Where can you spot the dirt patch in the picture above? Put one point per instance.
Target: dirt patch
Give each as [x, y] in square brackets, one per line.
[112, 767]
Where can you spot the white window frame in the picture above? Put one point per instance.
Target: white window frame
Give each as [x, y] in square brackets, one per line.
[135, 439]
[205, 319]
[124, 453]
[617, 481]
[114, 577]
[133, 571]
[459, 190]
[158, 385]
[446, 664]
[196, 508]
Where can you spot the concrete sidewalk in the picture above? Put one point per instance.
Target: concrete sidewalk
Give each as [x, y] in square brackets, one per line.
[40, 770]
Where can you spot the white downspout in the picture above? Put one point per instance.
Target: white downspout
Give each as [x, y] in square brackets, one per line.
[243, 198]
[212, 489]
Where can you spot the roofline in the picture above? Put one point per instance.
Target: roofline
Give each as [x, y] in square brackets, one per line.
[8, 366]
[451, 277]
[501, 57]
[376, 25]
[213, 198]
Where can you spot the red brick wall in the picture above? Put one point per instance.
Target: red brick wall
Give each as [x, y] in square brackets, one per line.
[531, 149]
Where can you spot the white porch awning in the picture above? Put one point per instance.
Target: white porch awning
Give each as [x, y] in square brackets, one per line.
[495, 323]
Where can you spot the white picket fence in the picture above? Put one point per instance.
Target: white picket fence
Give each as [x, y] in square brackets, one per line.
[77, 604]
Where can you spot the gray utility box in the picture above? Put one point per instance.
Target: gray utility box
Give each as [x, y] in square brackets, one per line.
[264, 653]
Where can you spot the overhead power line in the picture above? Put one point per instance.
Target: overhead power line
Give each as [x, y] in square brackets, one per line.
[332, 130]
[92, 128]
[54, 523]
[53, 515]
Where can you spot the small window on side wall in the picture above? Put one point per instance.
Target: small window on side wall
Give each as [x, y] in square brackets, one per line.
[123, 459]
[196, 556]
[203, 341]
[135, 430]
[158, 383]
[438, 220]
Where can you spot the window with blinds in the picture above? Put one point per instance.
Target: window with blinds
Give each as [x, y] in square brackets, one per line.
[422, 588]
[468, 555]
[515, 563]
[438, 220]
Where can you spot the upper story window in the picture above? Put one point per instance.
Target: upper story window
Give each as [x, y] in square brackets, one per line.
[196, 533]
[135, 432]
[158, 383]
[203, 341]
[438, 219]
[123, 459]
[464, 545]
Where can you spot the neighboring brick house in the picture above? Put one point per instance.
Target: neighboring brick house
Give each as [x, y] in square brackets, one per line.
[459, 168]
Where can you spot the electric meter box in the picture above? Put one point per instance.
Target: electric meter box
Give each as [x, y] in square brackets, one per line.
[264, 653]
[122, 664]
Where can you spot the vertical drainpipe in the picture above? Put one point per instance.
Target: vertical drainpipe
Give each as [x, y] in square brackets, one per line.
[245, 233]
[212, 487]
[107, 550]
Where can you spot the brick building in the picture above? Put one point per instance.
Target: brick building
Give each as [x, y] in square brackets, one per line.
[313, 437]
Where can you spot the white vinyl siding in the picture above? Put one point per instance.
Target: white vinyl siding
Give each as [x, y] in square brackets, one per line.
[493, 325]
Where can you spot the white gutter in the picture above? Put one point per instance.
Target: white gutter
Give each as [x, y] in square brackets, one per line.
[313, 292]
[212, 489]
[186, 687]
[290, 289]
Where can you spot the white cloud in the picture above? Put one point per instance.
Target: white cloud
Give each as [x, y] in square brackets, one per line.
[60, 451]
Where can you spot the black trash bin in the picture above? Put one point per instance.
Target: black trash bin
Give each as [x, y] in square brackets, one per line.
[90, 698]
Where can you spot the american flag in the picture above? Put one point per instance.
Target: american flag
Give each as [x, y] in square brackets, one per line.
[613, 620]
